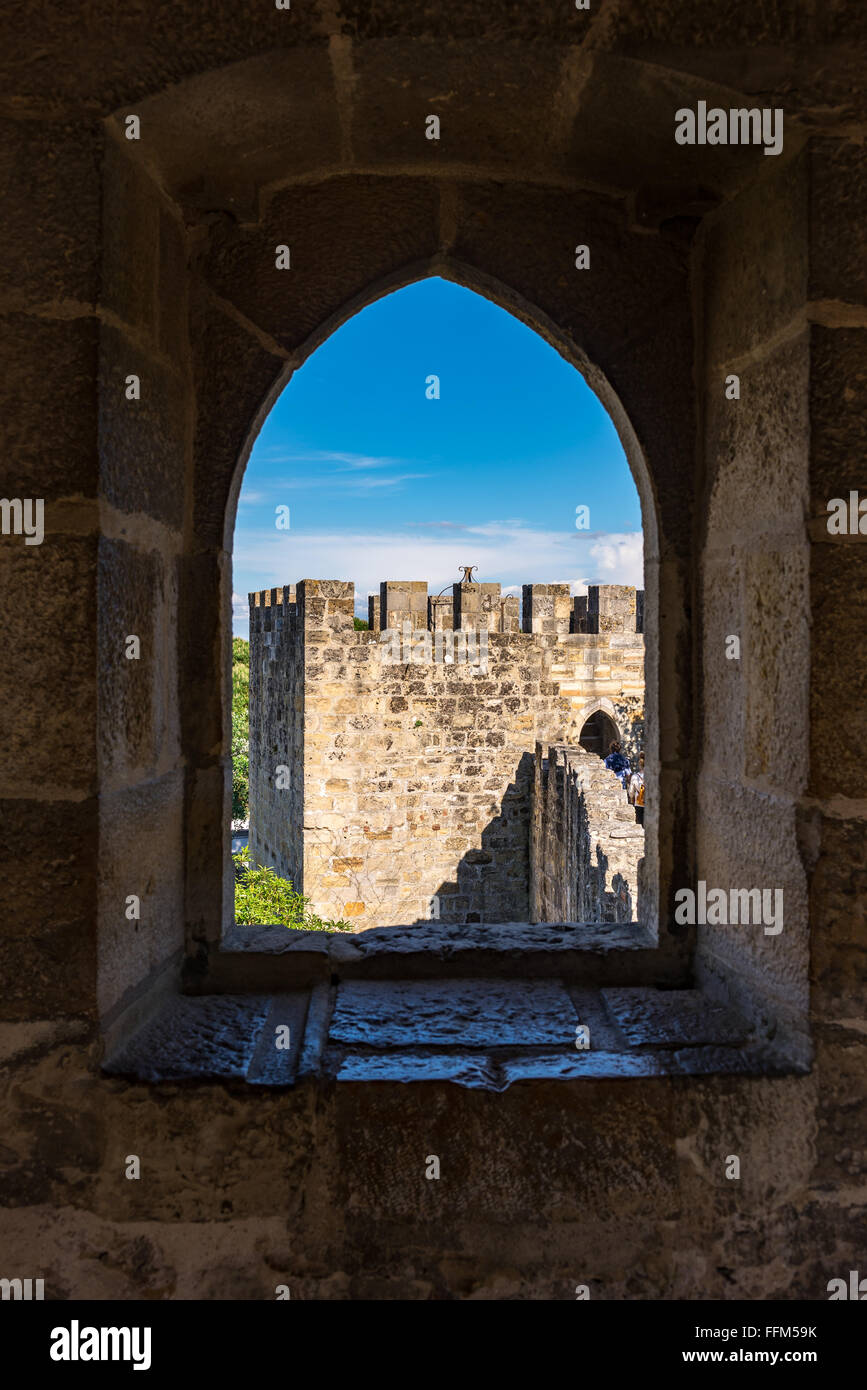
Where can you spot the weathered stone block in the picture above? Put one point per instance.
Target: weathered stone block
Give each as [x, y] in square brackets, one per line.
[838, 919]
[143, 445]
[50, 591]
[285, 122]
[776, 628]
[401, 218]
[834, 400]
[408, 80]
[755, 286]
[465, 1013]
[837, 701]
[132, 206]
[676, 1018]
[50, 849]
[138, 598]
[50, 975]
[838, 215]
[548, 24]
[49, 453]
[207, 1037]
[47, 168]
[151, 817]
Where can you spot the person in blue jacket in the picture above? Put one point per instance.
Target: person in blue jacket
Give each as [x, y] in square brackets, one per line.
[618, 763]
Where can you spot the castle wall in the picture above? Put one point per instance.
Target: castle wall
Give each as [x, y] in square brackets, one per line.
[411, 774]
[613, 663]
[586, 846]
[276, 748]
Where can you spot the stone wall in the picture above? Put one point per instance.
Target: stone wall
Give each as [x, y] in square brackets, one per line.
[407, 795]
[156, 257]
[586, 847]
[755, 586]
[276, 702]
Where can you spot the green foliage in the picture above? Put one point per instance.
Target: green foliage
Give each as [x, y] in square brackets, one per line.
[263, 899]
[240, 728]
[360, 625]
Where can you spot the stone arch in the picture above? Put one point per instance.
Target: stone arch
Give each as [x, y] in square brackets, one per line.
[598, 727]
[238, 329]
[510, 301]
[605, 705]
[469, 277]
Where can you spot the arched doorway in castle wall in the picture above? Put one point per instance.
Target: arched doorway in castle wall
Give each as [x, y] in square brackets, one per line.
[436, 603]
[598, 733]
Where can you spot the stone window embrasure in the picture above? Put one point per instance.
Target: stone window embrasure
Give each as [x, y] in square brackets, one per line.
[225, 341]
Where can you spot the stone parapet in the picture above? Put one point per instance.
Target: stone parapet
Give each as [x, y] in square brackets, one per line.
[586, 845]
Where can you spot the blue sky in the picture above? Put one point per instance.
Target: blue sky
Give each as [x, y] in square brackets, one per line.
[383, 483]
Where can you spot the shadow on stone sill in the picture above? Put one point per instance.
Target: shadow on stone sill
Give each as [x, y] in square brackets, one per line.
[483, 1034]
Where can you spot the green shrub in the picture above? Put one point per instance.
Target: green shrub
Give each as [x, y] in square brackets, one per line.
[240, 728]
[360, 625]
[264, 899]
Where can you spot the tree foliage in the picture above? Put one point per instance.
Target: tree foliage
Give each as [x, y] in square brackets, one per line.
[240, 728]
[263, 899]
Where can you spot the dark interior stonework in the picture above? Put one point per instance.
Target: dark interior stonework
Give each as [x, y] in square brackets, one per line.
[156, 257]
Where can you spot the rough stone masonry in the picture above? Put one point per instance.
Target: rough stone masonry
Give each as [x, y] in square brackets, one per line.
[156, 257]
[392, 781]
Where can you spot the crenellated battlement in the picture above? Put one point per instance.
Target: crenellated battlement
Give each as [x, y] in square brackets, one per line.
[271, 608]
[548, 609]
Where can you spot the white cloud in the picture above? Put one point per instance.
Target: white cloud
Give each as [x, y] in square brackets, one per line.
[502, 551]
[619, 554]
[351, 472]
[277, 455]
[356, 483]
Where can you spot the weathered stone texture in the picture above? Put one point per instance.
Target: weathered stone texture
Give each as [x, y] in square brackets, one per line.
[131, 948]
[47, 168]
[277, 729]
[466, 1013]
[140, 732]
[771, 272]
[49, 593]
[407, 777]
[142, 442]
[755, 566]
[216, 1037]
[586, 848]
[838, 573]
[49, 453]
[522, 264]
[261, 126]
[399, 216]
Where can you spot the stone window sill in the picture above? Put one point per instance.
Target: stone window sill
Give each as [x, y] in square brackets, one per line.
[480, 1033]
[268, 958]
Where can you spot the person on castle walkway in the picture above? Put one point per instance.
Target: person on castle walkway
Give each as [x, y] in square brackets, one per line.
[635, 790]
[617, 762]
